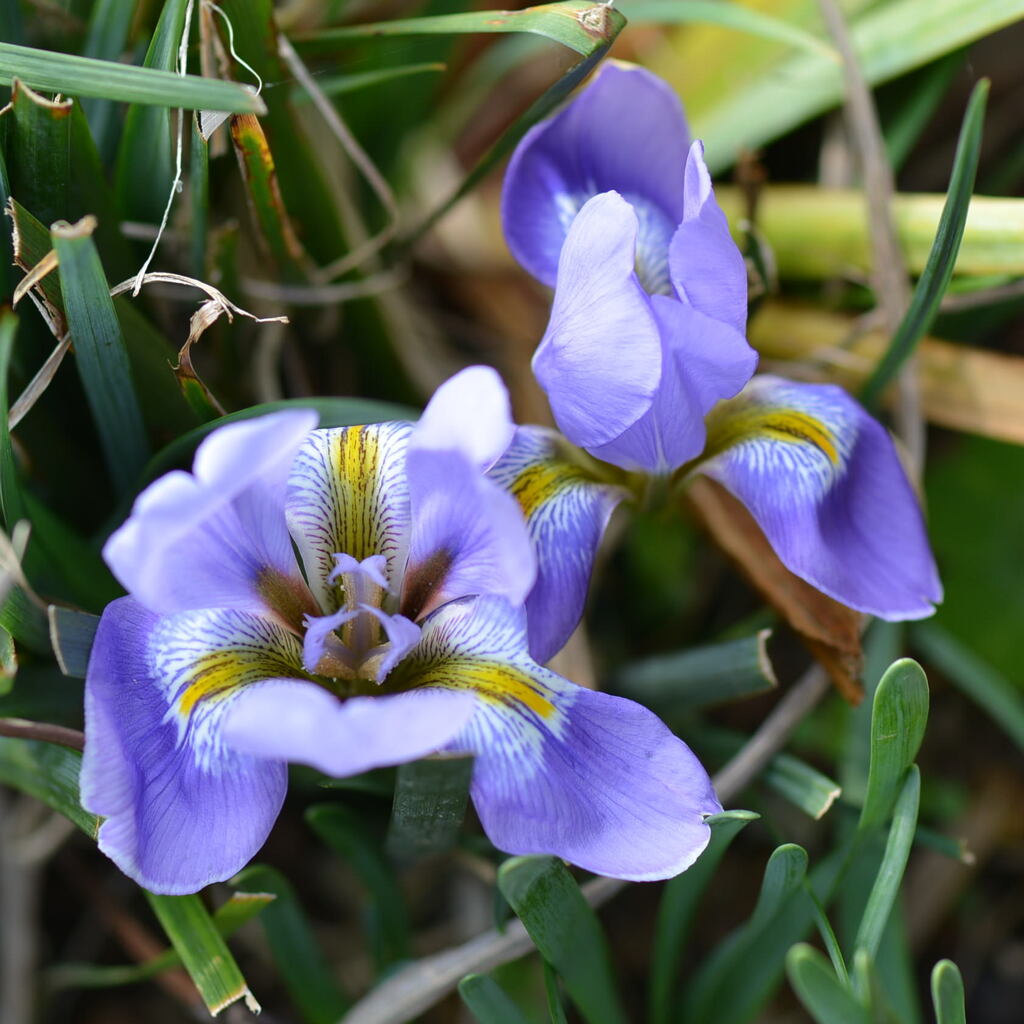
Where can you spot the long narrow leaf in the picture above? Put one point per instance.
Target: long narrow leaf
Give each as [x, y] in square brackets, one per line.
[203, 951]
[678, 906]
[100, 351]
[894, 862]
[924, 304]
[821, 992]
[299, 958]
[948, 994]
[49, 773]
[84, 76]
[429, 805]
[488, 1001]
[565, 930]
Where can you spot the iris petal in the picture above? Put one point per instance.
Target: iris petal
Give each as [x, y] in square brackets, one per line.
[704, 361]
[707, 268]
[824, 482]
[468, 536]
[626, 131]
[303, 723]
[600, 358]
[211, 537]
[347, 493]
[178, 815]
[592, 778]
[566, 513]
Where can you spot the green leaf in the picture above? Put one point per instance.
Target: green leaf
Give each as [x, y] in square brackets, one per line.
[802, 785]
[12, 505]
[728, 15]
[894, 863]
[722, 990]
[898, 717]
[8, 662]
[339, 85]
[109, 22]
[752, 107]
[566, 932]
[146, 140]
[700, 676]
[924, 303]
[334, 412]
[678, 905]
[991, 690]
[100, 353]
[25, 620]
[303, 966]
[429, 805]
[199, 199]
[228, 918]
[203, 951]
[948, 994]
[48, 772]
[821, 992]
[388, 922]
[488, 1001]
[71, 634]
[573, 23]
[82, 76]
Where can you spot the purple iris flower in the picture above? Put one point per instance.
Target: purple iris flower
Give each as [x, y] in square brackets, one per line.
[398, 631]
[644, 360]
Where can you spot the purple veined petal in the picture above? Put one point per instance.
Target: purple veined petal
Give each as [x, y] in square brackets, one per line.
[824, 482]
[347, 494]
[468, 536]
[212, 538]
[468, 413]
[566, 513]
[181, 810]
[707, 268]
[600, 358]
[303, 723]
[704, 361]
[594, 779]
[626, 131]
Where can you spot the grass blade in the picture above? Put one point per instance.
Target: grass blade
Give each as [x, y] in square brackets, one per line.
[821, 992]
[678, 906]
[488, 1001]
[948, 994]
[924, 303]
[573, 23]
[700, 676]
[894, 863]
[388, 923]
[299, 958]
[566, 932]
[101, 356]
[429, 805]
[49, 773]
[203, 951]
[991, 690]
[71, 634]
[728, 15]
[898, 716]
[106, 79]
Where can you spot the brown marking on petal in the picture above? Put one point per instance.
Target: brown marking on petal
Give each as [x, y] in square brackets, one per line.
[422, 584]
[287, 597]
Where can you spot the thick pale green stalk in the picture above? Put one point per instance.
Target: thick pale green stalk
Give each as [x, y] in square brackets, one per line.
[820, 233]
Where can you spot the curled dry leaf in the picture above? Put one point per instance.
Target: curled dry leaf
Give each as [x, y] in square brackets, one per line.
[829, 630]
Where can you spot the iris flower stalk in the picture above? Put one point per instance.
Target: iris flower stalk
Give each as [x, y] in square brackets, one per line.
[351, 598]
[645, 363]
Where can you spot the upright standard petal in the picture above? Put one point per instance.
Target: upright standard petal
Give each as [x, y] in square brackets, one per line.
[626, 131]
[704, 360]
[468, 536]
[347, 494]
[181, 809]
[600, 358]
[566, 511]
[216, 537]
[468, 413]
[824, 482]
[592, 778]
[706, 267]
